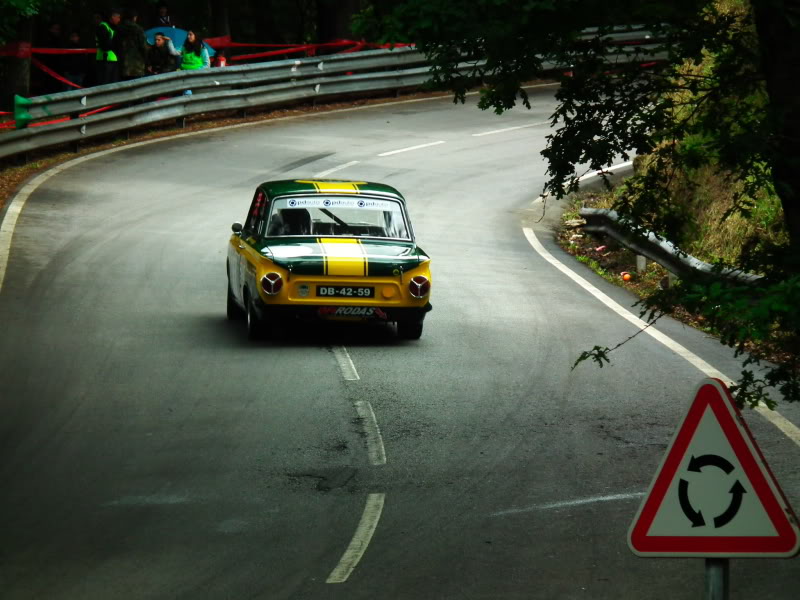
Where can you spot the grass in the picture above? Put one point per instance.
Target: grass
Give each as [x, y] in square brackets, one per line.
[716, 238]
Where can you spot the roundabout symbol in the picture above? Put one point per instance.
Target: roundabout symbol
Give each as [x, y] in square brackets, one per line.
[736, 491]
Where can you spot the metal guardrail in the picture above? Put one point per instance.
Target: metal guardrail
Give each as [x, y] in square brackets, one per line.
[78, 101]
[271, 84]
[181, 106]
[649, 245]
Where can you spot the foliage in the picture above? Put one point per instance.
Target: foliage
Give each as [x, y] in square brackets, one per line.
[713, 89]
[11, 11]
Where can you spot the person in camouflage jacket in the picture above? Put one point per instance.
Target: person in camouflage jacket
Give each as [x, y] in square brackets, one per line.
[132, 44]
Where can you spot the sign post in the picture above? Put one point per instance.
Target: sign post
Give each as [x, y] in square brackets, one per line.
[714, 496]
[717, 579]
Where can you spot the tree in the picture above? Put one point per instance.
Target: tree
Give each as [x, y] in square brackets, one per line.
[714, 88]
[16, 25]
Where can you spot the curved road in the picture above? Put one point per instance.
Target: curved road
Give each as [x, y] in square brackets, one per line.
[147, 450]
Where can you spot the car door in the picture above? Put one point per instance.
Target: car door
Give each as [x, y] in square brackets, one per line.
[234, 267]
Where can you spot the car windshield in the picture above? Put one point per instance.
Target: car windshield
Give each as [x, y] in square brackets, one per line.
[336, 216]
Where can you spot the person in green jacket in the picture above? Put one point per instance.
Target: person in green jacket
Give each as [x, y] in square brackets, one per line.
[106, 58]
[194, 54]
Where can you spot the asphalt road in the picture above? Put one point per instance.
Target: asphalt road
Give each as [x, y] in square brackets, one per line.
[147, 450]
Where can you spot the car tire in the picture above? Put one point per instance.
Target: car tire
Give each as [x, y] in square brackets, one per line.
[409, 330]
[255, 326]
[233, 310]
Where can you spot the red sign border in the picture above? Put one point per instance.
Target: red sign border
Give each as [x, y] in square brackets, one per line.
[714, 393]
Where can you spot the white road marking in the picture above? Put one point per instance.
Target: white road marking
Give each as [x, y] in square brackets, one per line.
[510, 129]
[375, 449]
[345, 363]
[775, 417]
[334, 169]
[15, 209]
[361, 538]
[410, 148]
[791, 430]
[568, 503]
[608, 170]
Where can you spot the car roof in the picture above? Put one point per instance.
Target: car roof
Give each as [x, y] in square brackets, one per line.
[287, 187]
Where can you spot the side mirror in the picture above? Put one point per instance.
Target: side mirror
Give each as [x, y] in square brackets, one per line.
[236, 227]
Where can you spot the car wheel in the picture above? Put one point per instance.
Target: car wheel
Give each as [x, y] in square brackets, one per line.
[255, 326]
[409, 330]
[233, 310]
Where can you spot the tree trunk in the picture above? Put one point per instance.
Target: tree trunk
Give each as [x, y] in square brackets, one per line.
[15, 73]
[779, 41]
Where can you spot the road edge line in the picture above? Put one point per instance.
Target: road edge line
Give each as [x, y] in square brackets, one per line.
[782, 423]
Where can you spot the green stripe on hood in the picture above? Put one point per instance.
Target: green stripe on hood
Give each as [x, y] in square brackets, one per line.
[305, 256]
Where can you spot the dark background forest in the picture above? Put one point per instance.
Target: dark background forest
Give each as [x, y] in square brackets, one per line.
[262, 21]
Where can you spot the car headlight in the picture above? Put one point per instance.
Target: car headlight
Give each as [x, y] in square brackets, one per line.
[272, 283]
[419, 286]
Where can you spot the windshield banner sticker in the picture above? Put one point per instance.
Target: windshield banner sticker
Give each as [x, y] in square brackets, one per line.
[341, 203]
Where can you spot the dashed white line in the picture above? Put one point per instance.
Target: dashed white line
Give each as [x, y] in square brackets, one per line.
[334, 169]
[786, 426]
[410, 148]
[569, 503]
[345, 363]
[375, 449]
[510, 129]
[358, 545]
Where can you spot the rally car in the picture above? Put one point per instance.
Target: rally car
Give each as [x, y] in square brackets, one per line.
[323, 249]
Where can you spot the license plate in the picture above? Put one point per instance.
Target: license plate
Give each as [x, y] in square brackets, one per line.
[345, 291]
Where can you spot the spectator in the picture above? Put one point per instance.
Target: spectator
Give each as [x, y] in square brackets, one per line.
[132, 44]
[75, 65]
[194, 54]
[161, 56]
[163, 18]
[106, 58]
[52, 39]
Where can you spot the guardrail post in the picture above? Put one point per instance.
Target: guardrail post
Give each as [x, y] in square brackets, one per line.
[641, 263]
[671, 278]
[181, 122]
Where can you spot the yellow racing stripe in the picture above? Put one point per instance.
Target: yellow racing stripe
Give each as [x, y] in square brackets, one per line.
[344, 257]
[341, 187]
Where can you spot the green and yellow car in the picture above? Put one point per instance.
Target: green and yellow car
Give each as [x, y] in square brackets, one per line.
[323, 249]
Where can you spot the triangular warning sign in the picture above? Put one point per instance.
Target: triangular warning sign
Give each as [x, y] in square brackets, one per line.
[714, 494]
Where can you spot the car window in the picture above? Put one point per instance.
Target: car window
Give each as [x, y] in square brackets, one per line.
[334, 216]
[255, 217]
